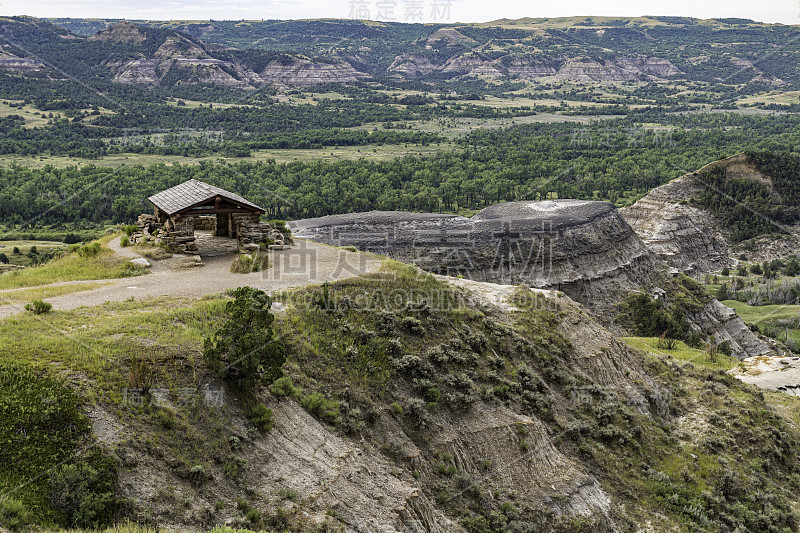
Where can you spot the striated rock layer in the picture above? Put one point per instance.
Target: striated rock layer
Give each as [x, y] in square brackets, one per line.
[475, 63]
[305, 73]
[687, 237]
[682, 235]
[585, 249]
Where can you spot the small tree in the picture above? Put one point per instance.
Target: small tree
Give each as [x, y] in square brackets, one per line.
[722, 292]
[666, 343]
[84, 490]
[3, 258]
[792, 267]
[243, 350]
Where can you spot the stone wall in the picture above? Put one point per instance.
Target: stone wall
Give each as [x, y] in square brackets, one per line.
[250, 232]
[205, 223]
[176, 234]
[149, 227]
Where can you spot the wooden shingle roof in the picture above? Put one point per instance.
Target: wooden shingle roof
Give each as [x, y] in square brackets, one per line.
[193, 193]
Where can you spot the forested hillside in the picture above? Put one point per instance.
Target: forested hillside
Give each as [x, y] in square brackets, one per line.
[606, 109]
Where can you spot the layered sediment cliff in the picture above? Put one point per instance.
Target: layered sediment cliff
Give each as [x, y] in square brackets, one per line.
[690, 237]
[582, 248]
[683, 235]
[585, 249]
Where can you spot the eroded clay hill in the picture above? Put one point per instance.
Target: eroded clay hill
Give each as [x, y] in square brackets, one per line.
[688, 235]
[584, 249]
[465, 406]
[475, 447]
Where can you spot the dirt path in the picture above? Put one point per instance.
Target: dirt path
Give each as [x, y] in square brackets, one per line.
[306, 263]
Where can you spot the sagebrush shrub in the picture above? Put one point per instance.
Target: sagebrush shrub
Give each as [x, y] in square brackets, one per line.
[284, 387]
[261, 416]
[39, 307]
[319, 406]
[84, 491]
[13, 514]
[413, 325]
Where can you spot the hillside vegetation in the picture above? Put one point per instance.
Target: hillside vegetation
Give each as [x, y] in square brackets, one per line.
[407, 385]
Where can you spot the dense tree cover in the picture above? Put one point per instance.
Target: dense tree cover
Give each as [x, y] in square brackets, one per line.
[527, 162]
[76, 139]
[326, 113]
[750, 208]
[616, 160]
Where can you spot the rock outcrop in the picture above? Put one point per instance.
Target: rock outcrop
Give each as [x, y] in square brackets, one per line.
[121, 32]
[472, 64]
[412, 66]
[622, 69]
[763, 77]
[138, 71]
[527, 67]
[585, 249]
[476, 63]
[21, 64]
[685, 235]
[450, 35]
[304, 72]
[727, 326]
[653, 66]
[180, 59]
[681, 234]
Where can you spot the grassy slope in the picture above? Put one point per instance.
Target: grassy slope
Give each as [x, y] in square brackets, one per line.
[651, 465]
[13, 296]
[675, 469]
[765, 317]
[682, 352]
[72, 267]
[763, 313]
[97, 348]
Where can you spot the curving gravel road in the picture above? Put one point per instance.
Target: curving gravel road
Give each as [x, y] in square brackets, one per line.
[305, 263]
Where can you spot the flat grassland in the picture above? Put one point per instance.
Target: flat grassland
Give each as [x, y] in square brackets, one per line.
[682, 352]
[333, 153]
